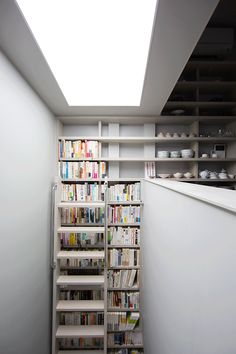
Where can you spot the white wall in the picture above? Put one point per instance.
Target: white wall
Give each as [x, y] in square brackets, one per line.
[189, 262]
[27, 145]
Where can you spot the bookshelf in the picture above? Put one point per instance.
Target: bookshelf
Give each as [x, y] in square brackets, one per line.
[89, 213]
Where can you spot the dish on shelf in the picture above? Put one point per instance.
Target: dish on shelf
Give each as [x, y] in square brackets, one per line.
[188, 175]
[204, 174]
[177, 112]
[204, 155]
[163, 154]
[231, 176]
[164, 175]
[160, 135]
[175, 135]
[175, 154]
[168, 135]
[178, 175]
[187, 153]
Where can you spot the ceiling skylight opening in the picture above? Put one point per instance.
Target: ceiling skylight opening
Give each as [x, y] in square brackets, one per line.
[97, 50]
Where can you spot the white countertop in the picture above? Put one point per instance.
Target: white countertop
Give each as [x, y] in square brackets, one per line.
[219, 197]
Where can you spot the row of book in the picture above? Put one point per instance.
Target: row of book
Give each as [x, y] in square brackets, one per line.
[122, 321]
[125, 338]
[81, 294]
[82, 169]
[82, 263]
[81, 239]
[81, 318]
[123, 214]
[123, 278]
[150, 170]
[78, 149]
[82, 215]
[126, 236]
[123, 299]
[125, 192]
[123, 257]
[80, 343]
[86, 192]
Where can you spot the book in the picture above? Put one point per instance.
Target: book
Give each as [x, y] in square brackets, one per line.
[124, 236]
[150, 169]
[78, 149]
[123, 214]
[82, 170]
[125, 192]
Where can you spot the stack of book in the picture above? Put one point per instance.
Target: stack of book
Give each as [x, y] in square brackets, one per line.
[123, 278]
[122, 321]
[83, 239]
[126, 236]
[123, 257]
[125, 338]
[78, 149]
[150, 169]
[82, 170]
[81, 294]
[123, 214]
[82, 215]
[125, 192]
[122, 299]
[81, 318]
[87, 192]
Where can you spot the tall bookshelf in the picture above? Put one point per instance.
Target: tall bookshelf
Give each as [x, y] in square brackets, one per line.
[83, 267]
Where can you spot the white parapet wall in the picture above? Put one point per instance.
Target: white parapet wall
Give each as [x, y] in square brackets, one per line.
[189, 269]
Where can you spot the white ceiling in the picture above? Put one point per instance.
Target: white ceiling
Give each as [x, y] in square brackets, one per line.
[178, 26]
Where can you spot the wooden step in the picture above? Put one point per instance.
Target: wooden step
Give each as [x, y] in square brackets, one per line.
[81, 205]
[80, 305]
[79, 331]
[79, 229]
[80, 280]
[81, 351]
[81, 255]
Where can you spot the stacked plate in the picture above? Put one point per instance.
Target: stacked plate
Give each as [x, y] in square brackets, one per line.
[175, 154]
[187, 153]
[163, 154]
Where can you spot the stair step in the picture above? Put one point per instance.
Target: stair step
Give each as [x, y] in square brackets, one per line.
[81, 352]
[81, 205]
[81, 255]
[80, 280]
[79, 229]
[80, 305]
[79, 331]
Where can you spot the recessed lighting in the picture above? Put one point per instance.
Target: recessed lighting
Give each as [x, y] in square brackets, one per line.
[97, 50]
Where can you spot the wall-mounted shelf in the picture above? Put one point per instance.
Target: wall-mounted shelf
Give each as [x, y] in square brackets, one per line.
[80, 305]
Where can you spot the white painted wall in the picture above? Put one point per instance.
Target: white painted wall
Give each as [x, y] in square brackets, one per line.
[189, 262]
[27, 146]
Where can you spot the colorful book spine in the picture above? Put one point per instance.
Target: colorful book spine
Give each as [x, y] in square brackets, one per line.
[82, 170]
[78, 149]
[123, 257]
[125, 192]
[123, 214]
[124, 236]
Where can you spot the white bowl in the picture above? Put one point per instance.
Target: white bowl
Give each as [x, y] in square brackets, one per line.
[164, 175]
[178, 175]
[231, 176]
[188, 175]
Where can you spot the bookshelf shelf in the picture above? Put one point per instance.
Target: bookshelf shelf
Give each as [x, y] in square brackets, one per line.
[81, 305]
[124, 309]
[81, 255]
[125, 225]
[124, 267]
[126, 203]
[131, 346]
[87, 229]
[123, 289]
[79, 331]
[123, 246]
[80, 280]
[81, 351]
[81, 205]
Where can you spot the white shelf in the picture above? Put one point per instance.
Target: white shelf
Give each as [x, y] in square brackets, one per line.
[124, 289]
[81, 205]
[80, 280]
[79, 331]
[123, 309]
[125, 225]
[120, 179]
[81, 351]
[81, 305]
[81, 255]
[74, 229]
[126, 203]
[123, 246]
[123, 267]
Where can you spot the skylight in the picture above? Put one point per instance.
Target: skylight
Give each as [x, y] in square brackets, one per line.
[97, 50]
